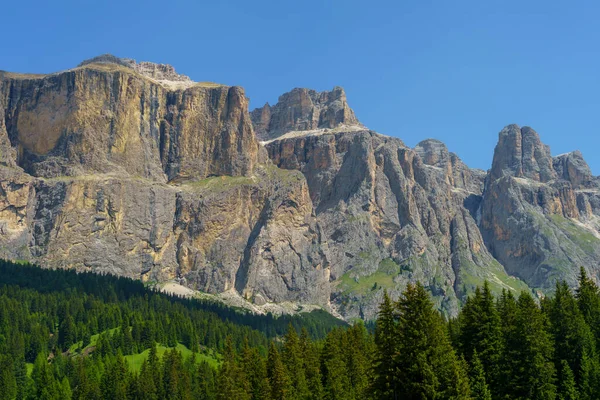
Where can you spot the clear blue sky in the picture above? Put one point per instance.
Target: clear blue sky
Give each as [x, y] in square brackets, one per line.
[457, 71]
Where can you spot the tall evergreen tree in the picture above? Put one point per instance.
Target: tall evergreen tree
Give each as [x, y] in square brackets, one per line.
[528, 356]
[572, 336]
[278, 378]
[385, 384]
[312, 367]
[427, 366]
[479, 387]
[481, 332]
[231, 382]
[336, 380]
[588, 300]
[292, 359]
[567, 388]
[255, 371]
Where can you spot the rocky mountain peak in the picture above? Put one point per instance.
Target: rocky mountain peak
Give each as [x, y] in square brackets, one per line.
[303, 110]
[433, 152]
[520, 153]
[159, 72]
[573, 168]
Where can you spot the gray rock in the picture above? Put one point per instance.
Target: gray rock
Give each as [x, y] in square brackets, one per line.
[302, 110]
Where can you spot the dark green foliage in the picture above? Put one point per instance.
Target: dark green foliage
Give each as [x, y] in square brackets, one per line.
[567, 388]
[495, 349]
[426, 364]
[479, 387]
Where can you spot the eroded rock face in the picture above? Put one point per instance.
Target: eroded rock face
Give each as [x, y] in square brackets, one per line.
[114, 168]
[133, 169]
[303, 110]
[539, 215]
[106, 118]
[392, 215]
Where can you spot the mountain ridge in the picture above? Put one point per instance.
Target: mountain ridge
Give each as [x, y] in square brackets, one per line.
[132, 169]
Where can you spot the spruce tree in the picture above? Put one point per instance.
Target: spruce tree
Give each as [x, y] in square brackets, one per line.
[231, 382]
[572, 335]
[528, 356]
[481, 332]
[427, 366]
[292, 359]
[385, 384]
[312, 367]
[336, 380]
[278, 378]
[588, 300]
[8, 381]
[479, 387]
[255, 372]
[567, 388]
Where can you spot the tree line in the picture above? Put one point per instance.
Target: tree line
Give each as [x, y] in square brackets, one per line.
[498, 347]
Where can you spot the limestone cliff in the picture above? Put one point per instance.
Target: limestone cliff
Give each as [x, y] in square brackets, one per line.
[539, 215]
[303, 110]
[390, 215]
[133, 169]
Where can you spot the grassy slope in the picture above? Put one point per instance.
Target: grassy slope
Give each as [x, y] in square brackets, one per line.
[135, 361]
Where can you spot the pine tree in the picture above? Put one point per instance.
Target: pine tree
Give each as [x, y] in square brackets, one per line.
[589, 387]
[359, 348]
[255, 371]
[292, 359]
[114, 379]
[481, 332]
[8, 381]
[567, 388]
[336, 380]
[278, 378]
[67, 333]
[427, 365]
[146, 384]
[572, 335]
[231, 382]
[588, 300]
[528, 356]
[479, 387]
[385, 385]
[312, 367]
[45, 385]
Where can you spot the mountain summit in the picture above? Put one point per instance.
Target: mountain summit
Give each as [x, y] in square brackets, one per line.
[132, 169]
[303, 110]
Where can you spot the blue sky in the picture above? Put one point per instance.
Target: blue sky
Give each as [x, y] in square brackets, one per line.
[457, 71]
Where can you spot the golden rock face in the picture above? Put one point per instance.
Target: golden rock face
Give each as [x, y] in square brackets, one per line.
[96, 119]
[107, 169]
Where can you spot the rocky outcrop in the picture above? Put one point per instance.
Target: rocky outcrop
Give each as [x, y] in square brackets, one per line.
[303, 110]
[105, 168]
[539, 215]
[392, 215]
[107, 118]
[133, 169]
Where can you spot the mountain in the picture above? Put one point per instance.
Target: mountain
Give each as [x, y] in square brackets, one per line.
[133, 169]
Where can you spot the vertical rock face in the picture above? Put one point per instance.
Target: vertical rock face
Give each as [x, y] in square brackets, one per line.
[520, 153]
[539, 215]
[303, 110]
[133, 169]
[106, 118]
[392, 215]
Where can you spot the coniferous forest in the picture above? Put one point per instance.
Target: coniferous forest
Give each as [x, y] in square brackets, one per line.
[65, 335]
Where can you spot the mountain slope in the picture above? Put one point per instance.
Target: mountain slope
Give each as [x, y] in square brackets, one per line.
[132, 169]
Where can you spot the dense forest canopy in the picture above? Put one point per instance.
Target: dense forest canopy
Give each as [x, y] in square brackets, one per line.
[65, 335]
